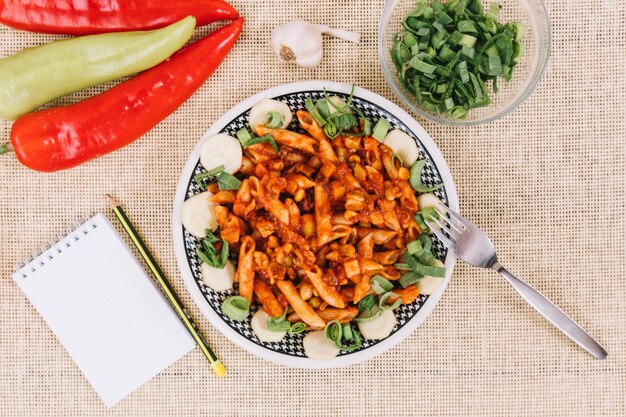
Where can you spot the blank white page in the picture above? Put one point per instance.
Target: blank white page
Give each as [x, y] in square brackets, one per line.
[104, 309]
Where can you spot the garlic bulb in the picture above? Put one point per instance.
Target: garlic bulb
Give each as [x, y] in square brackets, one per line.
[301, 42]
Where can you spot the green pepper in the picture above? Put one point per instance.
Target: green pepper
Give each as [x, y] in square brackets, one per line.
[41, 74]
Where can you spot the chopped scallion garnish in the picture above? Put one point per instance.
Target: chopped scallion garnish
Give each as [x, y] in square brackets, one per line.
[236, 308]
[380, 285]
[380, 129]
[447, 52]
[274, 120]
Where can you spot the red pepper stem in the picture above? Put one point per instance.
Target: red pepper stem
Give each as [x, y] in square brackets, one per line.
[5, 147]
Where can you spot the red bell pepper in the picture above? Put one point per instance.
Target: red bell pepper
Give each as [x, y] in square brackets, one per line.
[63, 137]
[97, 16]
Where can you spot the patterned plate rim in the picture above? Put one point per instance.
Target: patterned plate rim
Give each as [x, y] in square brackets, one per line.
[179, 246]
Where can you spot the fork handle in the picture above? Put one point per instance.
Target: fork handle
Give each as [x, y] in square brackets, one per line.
[553, 313]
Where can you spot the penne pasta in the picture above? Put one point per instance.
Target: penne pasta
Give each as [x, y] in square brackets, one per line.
[326, 291]
[343, 315]
[268, 299]
[288, 138]
[245, 268]
[304, 310]
[309, 124]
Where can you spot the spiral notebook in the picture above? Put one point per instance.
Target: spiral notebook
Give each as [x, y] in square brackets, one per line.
[104, 309]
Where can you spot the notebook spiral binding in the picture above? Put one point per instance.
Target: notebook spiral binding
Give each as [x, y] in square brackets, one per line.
[64, 240]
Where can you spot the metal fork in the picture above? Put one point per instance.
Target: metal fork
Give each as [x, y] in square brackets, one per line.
[473, 246]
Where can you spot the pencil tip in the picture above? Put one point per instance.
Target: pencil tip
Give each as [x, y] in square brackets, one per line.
[111, 201]
[219, 369]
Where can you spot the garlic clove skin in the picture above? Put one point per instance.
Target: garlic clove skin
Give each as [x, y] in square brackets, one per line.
[298, 41]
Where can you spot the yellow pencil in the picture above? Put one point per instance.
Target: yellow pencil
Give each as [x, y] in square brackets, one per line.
[218, 367]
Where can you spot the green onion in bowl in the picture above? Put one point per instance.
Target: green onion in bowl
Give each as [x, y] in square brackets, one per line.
[530, 58]
[448, 52]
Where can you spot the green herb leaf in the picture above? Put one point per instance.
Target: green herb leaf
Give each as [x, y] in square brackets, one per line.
[208, 253]
[256, 140]
[226, 181]
[209, 174]
[236, 308]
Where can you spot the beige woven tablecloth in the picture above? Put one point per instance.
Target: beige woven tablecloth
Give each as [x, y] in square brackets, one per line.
[546, 182]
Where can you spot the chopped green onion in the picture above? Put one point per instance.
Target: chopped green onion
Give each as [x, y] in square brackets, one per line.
[226, 181]
[413, 247]
[432, 271]
[298, 327]
[409, 278]
[236, 308]
[467, 40]
[518, 30]
[494, 65]
[331, 130]
[467, 26]
[366, 303]
[279, 324]
[335, 334]
[444, 54]
[367, 127]
[422, 66]
[493, 12]
[382, 303]
[243, 135]
[347, 332]
[423, 215]
[208, 253]
[260, 139]
[371, 315]
[312, 109]
[209, 174]
[415, 178]
[380, 285]
[380, 129]
[274, 120]
[467, 52]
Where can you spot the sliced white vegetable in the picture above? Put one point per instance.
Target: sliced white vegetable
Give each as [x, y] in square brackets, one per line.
[218, 279]
[404, 145]
[259, 326]
[427, 284]
[219, 150]
[337, 101]
[379, 328]
[198, 215]
[259, 112]
[316, 346]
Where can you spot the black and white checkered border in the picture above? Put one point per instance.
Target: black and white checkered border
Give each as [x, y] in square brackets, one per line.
[292, 344]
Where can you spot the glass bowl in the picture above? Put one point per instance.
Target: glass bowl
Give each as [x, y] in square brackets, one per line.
[526, 75]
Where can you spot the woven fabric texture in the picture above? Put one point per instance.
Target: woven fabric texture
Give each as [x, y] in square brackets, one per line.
[547, 183]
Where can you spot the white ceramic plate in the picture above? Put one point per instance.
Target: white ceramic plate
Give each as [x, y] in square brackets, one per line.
[289, 351]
